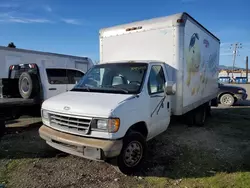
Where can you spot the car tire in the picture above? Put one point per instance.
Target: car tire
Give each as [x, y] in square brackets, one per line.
[132, 154]
[227, 99]
[28, 85]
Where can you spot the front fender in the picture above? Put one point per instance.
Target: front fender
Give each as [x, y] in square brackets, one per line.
[131, 112]
[129, 119]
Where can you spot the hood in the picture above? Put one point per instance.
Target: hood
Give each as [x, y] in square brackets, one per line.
[231, 88]
[222, 86]
[85, 103]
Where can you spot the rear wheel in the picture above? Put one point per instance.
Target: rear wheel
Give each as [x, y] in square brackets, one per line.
[200, 115]
[28, 85]
[188, 118]
[209, 114]
[227, 100]
[197, 117]
[133, 153]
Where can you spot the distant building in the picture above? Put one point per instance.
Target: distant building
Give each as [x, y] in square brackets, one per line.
[223, 73]
[236, 73]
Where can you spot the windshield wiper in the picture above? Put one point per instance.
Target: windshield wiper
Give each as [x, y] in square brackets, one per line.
[84, 88]
[81, 88]
[121, 89]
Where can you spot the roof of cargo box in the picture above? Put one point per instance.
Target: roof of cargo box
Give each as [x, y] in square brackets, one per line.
[151, 22]
[40, 52]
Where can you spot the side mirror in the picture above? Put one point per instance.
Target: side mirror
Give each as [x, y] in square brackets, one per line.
[170, 88]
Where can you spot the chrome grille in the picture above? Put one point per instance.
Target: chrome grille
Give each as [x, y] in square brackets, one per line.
[68, 123]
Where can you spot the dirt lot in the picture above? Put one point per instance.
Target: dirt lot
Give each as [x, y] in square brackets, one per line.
[216, 155]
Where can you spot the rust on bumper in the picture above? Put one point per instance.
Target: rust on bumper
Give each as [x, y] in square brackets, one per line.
[91, 148]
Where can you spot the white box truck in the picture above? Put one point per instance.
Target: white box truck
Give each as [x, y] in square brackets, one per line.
[149, 71]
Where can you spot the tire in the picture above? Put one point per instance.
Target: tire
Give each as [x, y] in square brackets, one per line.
[188, 118]
[227, 99]
[28, 85]
[2, 128]
[131, 142]
[209, 114]
[197, 117]
[200, 115]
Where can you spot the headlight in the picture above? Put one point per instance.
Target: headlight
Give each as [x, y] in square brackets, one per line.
[45, 114]
[45, 117]
[102, 124]
[111, 125]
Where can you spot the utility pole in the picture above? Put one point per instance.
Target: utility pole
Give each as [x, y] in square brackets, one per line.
[247, 68]
[235, 48]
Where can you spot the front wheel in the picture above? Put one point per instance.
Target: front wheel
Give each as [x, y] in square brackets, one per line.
[227, 100]
[133, 153]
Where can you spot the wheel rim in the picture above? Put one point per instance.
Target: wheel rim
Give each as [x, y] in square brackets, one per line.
[133, 153]
[227, 100]
[25, 85]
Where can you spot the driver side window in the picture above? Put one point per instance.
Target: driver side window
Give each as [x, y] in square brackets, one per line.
[156, 80]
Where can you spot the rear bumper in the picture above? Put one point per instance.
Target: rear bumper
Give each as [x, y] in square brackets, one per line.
[91, 148]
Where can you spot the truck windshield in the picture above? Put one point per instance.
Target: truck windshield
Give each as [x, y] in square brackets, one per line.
[126, 78]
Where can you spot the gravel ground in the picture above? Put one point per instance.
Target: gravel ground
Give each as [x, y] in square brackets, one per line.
[180, 154]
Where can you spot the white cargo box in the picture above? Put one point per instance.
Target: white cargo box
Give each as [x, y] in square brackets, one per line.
[188, 49]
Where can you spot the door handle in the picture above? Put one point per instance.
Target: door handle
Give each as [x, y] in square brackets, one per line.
[52, 89]
[168, 105]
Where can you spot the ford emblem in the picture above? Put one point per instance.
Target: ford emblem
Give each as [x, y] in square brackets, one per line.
[66, 108]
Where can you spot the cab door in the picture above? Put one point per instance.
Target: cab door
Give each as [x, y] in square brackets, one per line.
[159, 102]
[56, 81]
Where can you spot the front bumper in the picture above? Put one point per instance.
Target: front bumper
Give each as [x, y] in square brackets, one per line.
[242, 96]
[90, 148]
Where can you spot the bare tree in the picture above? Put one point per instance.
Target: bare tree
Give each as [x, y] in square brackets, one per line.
[11, 45]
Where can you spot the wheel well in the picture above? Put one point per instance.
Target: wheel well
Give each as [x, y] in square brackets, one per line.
[224, 94]
[139, 127]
